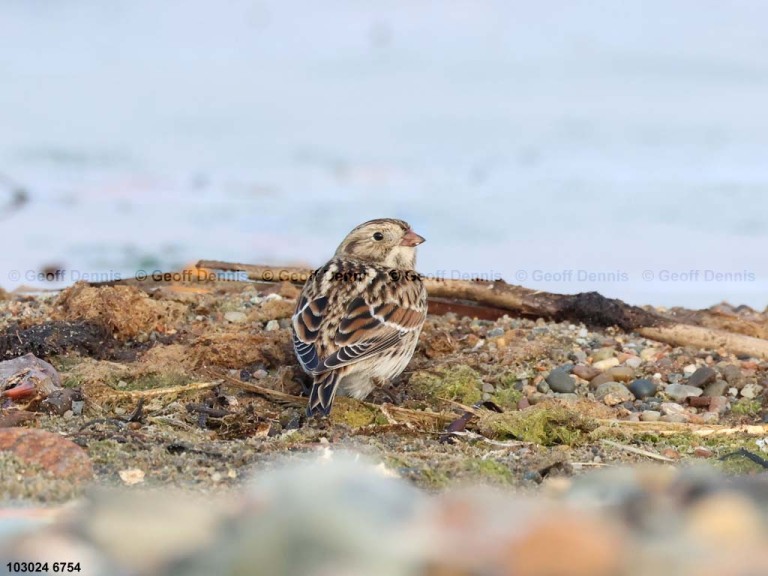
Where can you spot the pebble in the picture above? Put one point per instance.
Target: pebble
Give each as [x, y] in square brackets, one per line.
[633, 362]
[719, 405]
[717, 388]
[567, 397]
[579, 356]
[605, 364]
[751, 390]
[701, 377]
[699, 401]
[671, 453]
[585, 372]
[650, 415]
[543, 387]
[689, 369]
[679, 392]
[732, 375]
[726, 519]
[560, 381]
[643, 388]
[649, 354]
[602, 354]
[56, 454]
[671, 408]
[489, 388]
[495, 333]
[601, 378]
[613, 393]
[272, 325]
[235, 317]
[621, 373]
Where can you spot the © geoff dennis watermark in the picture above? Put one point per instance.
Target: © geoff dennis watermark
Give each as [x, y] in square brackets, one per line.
[698, 275]
[661, 275]
[73, 275]
[520, 276]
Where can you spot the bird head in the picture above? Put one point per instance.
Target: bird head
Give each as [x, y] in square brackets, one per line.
[385, 242]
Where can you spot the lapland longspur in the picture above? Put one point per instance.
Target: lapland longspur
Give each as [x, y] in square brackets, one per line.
[359, 316]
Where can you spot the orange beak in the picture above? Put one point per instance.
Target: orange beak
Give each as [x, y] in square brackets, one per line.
[411, 239]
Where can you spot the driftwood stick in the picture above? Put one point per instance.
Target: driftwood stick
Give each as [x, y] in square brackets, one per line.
[710, 338]
[492, 299]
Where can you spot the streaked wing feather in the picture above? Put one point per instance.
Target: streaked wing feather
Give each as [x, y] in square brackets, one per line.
[369, 329]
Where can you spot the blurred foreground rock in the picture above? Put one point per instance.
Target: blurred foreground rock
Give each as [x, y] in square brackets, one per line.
[339, 514]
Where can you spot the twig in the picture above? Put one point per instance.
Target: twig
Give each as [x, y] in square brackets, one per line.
[637, 451]
[669, 428]
[590, 308]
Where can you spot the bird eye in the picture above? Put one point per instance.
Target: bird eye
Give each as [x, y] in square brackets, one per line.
[378, 236]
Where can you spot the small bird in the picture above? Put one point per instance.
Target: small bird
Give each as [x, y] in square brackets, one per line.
[359, 316]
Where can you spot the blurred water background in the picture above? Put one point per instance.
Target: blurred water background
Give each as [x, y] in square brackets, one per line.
[565, 145]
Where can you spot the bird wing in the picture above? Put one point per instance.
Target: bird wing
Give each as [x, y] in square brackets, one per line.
[331, 331]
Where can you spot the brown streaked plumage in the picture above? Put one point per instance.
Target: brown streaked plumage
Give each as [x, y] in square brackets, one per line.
[359, 316]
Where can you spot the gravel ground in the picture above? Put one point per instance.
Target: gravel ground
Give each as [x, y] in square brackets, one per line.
[193, 387]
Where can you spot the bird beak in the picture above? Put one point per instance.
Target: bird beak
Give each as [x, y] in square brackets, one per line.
[411, 239]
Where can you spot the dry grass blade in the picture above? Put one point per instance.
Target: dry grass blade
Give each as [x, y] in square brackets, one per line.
[191, 387]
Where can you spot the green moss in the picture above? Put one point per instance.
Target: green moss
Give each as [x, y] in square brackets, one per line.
[547, 424]
[747, 407]
[66, 362]
[488, 470]
[459, 383]
[507, 397]
[355, 414]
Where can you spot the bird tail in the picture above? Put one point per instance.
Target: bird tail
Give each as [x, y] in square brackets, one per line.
[322, 394]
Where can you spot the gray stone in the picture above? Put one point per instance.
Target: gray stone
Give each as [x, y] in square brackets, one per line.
[633, 362]
[580, 356]
[272, 325]
[676, 418]
[668, 408]
[560, 381]
[235, 317]
[650, 415]
[719, 405]
[613, 393]
[717, 388]
[732, 374]
[567, 397]
[679, 392]
[495, 333]
[543, 387]
[643, 388]
[488, 388]
[751, 391]
[701, 377]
